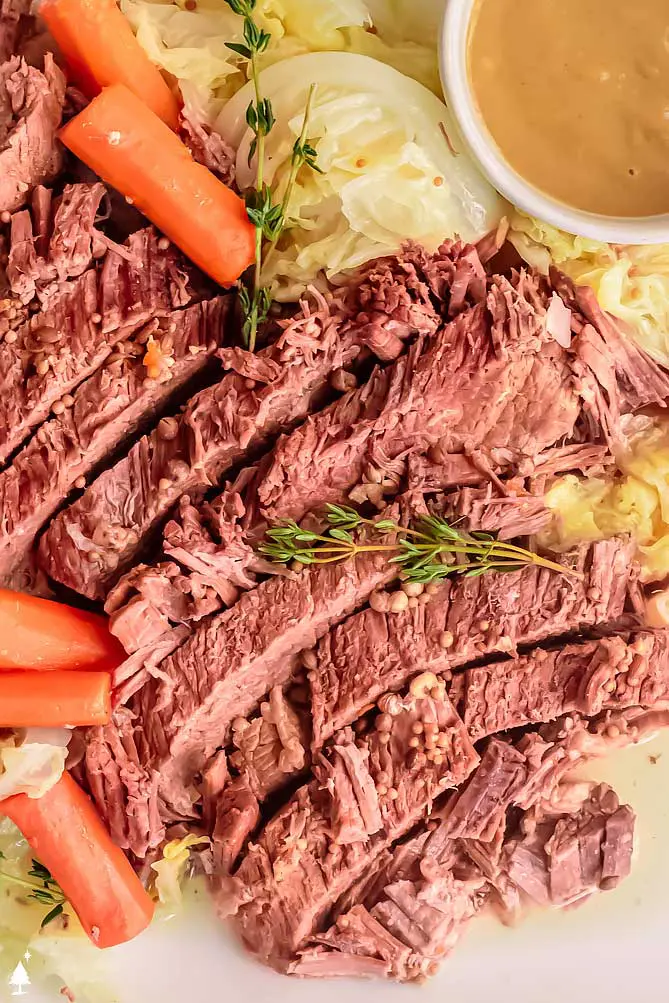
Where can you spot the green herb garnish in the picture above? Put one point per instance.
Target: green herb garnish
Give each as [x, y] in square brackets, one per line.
[269, 218]
[43, 888]
[430, 551]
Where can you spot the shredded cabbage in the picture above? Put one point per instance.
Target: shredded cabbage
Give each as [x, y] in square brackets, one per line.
[630, 282]
[633, 501]
[32, 760]
[389, 173]
[191, 44]
[171, 867]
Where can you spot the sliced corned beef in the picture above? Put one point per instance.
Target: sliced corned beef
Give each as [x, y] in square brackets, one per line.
[559, 857]
[612, 673]
[303, 861]
[262, 395]
[270, 746]
[126, 794]
[217, 428]
[373, 652]
[438, 471]
[31, 105]
[106, 410]
[233, 659]
[476, 384]
[47, 356]
[237, 815]
[416, 923]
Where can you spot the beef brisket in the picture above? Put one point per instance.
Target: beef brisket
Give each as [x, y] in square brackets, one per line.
[612, 673]
[373, 652]
[106, 410]
[232, 660]
[271, 745]
[559, 858]
[473, 386]
[31, 105]
[263, 394]
[214, 431]
[306, 858]
[125, 793]
[45, 252]
[46, 357]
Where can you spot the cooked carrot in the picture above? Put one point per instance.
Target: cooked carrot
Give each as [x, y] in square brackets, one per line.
[100, 49]
[67, 836]
[128, 146]
[40, 634]
[54, 699]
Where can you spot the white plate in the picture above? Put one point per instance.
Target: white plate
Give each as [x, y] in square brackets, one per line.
[610, 950]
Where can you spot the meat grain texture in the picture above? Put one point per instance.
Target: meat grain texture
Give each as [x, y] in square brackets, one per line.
[370, 780]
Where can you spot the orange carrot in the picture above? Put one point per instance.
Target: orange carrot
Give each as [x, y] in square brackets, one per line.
[67, 836]
[40, 634]
[100, 49]
[54, 699]
[128, 146]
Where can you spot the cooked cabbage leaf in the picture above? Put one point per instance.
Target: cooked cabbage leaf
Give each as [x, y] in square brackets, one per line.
[631, 282]
[171, 867]
[394, 167]
[635, 500]
[32, 760]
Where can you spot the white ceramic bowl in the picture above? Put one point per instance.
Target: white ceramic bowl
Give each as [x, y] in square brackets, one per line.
[455, 80]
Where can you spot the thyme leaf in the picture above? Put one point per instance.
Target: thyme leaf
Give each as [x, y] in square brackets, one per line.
[43, 889]
[429, 551]
[268, 218]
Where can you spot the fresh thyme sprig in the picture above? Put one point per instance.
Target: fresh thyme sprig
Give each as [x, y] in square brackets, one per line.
[43, 888]
[428, 552]
[269, 218]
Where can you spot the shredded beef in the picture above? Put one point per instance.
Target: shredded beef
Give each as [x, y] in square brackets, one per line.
[31, 105]
[301, 863]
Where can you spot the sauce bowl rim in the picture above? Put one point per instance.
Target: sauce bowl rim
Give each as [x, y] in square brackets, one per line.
[453, 43]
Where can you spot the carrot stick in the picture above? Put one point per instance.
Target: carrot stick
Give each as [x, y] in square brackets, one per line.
[40, 634]
[100, 49]
[54, 699]
[67, 836]
[128, 146]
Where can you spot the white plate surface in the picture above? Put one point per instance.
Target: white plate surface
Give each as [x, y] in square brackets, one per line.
[611, 950]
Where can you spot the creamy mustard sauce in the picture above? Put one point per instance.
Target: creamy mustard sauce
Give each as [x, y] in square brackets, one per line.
[576, 95]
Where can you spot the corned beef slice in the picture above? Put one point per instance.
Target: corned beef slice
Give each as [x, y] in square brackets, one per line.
[430, 887]
[260, 397]
[373, 652]
[31, 105]
[107, 410]
[609, 674]
[475, 386]
[232, 660]
[308, 855]
[46, 357]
